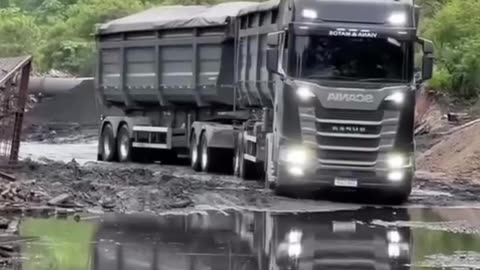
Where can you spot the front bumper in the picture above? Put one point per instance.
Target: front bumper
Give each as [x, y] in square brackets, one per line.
[325, 178]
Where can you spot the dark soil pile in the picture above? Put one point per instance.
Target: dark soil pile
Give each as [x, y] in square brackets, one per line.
[107, 188]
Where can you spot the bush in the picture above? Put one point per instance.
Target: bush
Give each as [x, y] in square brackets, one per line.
[454, 30]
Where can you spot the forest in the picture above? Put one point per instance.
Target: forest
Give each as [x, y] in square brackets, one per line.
[59, 34]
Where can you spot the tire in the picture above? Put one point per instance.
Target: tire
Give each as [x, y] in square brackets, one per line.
[124, 145]
[207, 162]
[236, 157]
[108, 148]
[195, 154]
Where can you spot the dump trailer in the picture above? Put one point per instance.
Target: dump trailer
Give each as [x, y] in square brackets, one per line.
[193, 241]
[304, 94]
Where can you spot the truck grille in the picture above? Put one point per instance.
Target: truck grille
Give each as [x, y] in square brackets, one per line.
[349, 137]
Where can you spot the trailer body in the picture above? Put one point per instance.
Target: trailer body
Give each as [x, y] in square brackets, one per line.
[304, 94]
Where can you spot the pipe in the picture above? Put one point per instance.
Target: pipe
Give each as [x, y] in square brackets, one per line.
[49, 86]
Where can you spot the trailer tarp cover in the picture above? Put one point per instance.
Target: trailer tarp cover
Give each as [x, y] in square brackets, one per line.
[264, 6]
[170, 17]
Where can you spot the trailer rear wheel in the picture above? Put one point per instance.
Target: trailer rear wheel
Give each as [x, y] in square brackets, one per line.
[124, 144]
[107, 144]
[195, 153]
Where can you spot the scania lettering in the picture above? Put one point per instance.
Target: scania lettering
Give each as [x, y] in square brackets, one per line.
[310, 94]
[350, 97]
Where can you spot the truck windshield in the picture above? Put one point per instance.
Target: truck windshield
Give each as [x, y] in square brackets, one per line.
[347, 58]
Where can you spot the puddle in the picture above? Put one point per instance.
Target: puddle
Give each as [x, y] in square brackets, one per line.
[373, 238]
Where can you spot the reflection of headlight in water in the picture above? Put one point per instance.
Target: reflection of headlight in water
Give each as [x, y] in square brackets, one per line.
[394, 236]
[393, 250]
[294, 240]
[294, 236]
[294, 249]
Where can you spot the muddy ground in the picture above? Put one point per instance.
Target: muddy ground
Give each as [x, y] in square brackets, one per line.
[67, 165]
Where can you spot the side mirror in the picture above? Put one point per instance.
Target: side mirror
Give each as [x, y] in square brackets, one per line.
[272, 60]
[273, 39]
[428, 58]
[273, 52]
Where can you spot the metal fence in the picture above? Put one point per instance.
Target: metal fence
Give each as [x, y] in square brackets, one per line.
[14, 75]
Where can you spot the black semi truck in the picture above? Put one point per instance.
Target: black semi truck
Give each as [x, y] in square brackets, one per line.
[304, 94]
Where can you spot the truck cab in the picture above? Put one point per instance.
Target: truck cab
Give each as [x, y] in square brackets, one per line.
[345, 95]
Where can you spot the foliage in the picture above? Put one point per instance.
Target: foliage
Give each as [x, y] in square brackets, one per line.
[454, 30]
[18, 32]
[59, 33]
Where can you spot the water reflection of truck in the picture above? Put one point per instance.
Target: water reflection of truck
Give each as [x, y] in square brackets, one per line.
[335, 240]
[253, 241]
[170, 243]
[302, 93]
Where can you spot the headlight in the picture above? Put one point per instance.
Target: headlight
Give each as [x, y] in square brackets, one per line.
[397, 98]
[398, 18]
[394, 236]
[295, 155]
[304, 93]
[396, 161]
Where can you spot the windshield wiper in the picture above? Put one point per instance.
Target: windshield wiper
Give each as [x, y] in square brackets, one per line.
[382, 80]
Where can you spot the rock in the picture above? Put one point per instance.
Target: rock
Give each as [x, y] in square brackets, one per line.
[108, 203]
[59, 199]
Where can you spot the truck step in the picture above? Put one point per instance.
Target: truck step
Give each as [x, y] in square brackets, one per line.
[150, 145]
[151, 129]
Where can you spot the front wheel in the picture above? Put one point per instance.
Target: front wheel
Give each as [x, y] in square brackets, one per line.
[206, 157]
[124, 144]
[195, 154]
[107, 144]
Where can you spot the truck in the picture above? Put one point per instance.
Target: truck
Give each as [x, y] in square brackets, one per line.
[254, 240]
[304, 94]
[333, 240]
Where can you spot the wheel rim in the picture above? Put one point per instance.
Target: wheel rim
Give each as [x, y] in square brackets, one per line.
[124, 141]
[236, 163]
[194, 153]
[204, 156]
[106, 146]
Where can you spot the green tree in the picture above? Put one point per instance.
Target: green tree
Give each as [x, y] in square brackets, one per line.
[454, 30]
[18, 33]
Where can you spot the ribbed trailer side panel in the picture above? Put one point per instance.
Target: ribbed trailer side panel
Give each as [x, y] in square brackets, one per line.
[255, 83]
[178, 67]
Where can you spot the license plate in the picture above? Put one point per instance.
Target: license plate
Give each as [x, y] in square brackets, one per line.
[344, 226]
[345, 182]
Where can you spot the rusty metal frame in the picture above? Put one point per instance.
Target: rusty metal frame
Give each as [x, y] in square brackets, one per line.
[14, 79]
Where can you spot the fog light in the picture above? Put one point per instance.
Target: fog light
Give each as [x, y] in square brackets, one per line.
[395, 176]
[296, 171]
[396, 161]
